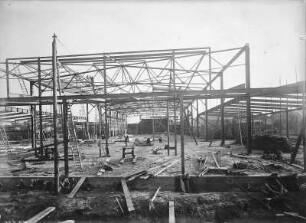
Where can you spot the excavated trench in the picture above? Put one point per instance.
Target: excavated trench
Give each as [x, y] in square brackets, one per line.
[97, 205]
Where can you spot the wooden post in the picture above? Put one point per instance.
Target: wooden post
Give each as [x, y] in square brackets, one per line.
[65, 136]
[33, 121]
[171, 212]
[54, 71]
[182, 135]
[222, 112]
[105, 104]
[41, 149]
[7, 78]
[248, 99]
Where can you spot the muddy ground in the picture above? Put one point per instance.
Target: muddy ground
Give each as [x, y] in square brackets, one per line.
[11, 164]
[101, 206]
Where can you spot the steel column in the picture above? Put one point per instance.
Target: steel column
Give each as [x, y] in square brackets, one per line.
[197, 120]
[182, 135]
[33, 121]
[105, 104]
[65, 136]
[206, 120]
[54, 71]
[174, 101]
[168, 128]
[41, 149]
[287, 123]
[222, 111]
[7, 78]
[248, 99]
[153, 127]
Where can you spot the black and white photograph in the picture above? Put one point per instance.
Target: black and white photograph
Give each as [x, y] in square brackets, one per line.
[152, 111]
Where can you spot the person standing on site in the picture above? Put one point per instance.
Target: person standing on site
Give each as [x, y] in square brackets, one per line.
[126, 139]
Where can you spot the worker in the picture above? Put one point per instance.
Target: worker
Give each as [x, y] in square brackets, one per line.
[160, 140]
[126, 139]
[148, 141]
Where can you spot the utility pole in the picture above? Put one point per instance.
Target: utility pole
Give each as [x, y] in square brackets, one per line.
[54, 71]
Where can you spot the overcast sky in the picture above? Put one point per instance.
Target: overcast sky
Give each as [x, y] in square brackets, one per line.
[272, 28]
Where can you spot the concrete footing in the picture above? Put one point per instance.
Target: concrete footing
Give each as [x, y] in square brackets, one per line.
[210, 183]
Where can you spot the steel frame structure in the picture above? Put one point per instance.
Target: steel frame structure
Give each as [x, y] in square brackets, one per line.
[171, 83]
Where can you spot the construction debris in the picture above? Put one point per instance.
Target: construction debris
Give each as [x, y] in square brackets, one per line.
[77, 187]
[272, 144]
[151, 204]
[156, 150]
[127, 195]
[40, 215]
[171, 212]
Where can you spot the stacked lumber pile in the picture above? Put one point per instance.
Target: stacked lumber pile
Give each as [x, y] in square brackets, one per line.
[271, 143]
[153, 171]
[158, 169]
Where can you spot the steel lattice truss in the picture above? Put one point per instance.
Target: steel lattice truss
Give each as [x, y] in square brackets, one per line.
[147, 82]
[124, 73]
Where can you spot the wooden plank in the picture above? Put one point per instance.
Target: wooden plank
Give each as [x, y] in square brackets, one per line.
[293, 214]
[213, 156]
[134, 159]
[171, 212]
[182, 184]
[77, 187]
[40, 215]
[166, 167]
[204, 171]
[127, 195]
[118, 202]
[295, 165]
[151, 205]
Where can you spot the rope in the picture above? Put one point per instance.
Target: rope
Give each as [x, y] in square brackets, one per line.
[64, 46]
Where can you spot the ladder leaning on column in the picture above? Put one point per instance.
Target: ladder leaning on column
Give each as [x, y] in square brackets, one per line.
[73, 141]
[4, 140]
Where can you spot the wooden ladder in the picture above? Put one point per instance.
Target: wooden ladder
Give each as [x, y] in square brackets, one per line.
[23, 86]
[4, 141]
[73, 141]
[44, 141]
